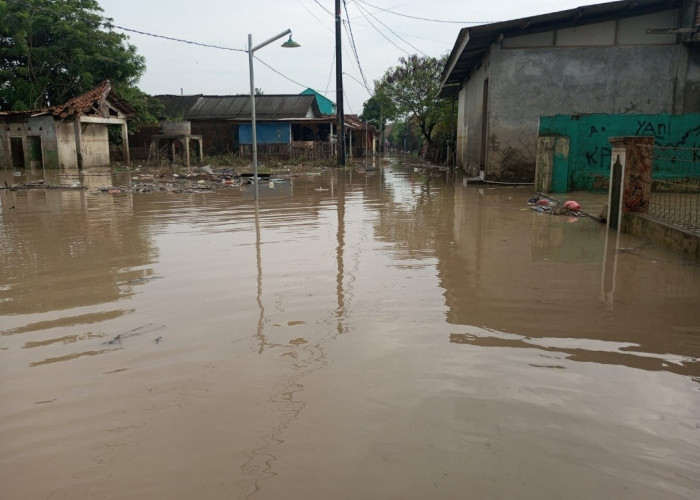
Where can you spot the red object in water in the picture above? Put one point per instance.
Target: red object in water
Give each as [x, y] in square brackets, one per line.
[572, 205]
[542, 202]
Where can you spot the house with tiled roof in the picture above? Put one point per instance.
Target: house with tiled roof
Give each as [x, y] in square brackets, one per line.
[70, 135]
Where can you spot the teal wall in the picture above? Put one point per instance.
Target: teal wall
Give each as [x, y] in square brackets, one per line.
[588, 164]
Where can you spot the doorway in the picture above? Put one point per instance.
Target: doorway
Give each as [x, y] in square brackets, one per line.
[36, 158]
[17, 152]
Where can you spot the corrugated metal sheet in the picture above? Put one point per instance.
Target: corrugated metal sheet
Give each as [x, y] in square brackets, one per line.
[473, 43]
[267, 107]
[176, 106]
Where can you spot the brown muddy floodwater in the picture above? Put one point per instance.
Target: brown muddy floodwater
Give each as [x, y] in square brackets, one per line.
[355, 335]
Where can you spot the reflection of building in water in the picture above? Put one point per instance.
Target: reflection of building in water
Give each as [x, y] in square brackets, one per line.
[66, 249]
[513, 271]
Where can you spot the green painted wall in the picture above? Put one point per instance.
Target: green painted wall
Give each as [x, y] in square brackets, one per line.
[587, 165]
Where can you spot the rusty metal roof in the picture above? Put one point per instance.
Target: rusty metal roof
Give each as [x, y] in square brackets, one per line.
[267, 107]
[473, 43]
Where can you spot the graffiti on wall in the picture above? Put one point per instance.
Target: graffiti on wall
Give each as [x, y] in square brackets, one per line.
[589, 159]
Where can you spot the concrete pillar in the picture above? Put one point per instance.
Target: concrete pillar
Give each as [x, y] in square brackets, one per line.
[125, 144]
[630, 177]
[544, 164]
[186, 140]
[78, 142]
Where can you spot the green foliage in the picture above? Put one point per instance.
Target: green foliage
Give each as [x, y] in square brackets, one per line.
[148, 109]
[51, 51]
[412, 88]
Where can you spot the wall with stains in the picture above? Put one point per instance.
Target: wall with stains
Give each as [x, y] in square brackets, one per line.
[609, 67]
[34, 140]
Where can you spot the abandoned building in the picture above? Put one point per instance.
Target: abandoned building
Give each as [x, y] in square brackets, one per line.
[624, 57]
[74, 134]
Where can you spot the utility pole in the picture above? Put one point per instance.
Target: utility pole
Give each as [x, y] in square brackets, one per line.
[339, 88]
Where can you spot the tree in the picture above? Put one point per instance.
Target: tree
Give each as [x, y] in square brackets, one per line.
[412, 88]
[378, 109]
[52, 51]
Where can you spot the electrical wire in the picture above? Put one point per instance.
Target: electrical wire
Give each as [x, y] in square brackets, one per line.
[330, 73]
[395, 34]
[326, 27]
[279, 72]
[354, 46]
[200, 44]
[421, 18]
[358, 82]
[386, 37]
[324, 8]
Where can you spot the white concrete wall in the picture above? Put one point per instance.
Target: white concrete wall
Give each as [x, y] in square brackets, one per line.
[95, 146]
[65, 135]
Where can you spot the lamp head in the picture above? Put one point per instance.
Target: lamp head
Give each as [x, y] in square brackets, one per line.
[290, 44]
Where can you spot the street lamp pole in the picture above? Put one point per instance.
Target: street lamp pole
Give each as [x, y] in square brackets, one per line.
[254, 138]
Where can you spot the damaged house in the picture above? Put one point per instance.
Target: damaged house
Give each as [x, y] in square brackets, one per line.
[74, 134]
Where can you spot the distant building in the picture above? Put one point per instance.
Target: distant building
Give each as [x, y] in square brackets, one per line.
[629, 57]
[71, 135]
[325, 105]
[287, 125]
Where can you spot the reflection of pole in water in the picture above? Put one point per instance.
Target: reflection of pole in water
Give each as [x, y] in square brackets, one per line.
[340, 249]
[258, 255]
[607, 282]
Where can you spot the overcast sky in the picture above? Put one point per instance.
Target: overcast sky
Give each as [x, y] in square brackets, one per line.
[383, 31]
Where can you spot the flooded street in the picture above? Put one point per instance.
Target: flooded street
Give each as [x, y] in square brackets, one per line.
[390, 334]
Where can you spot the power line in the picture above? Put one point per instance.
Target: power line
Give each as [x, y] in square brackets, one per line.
[279, 72]
[324, 8]
[314, 15]
[381, 33]
[200, 44]
[421, 18]
[107, 23]
[395, 34]
[354, 47]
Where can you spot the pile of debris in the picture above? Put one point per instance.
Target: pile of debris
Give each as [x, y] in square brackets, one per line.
[545, 204]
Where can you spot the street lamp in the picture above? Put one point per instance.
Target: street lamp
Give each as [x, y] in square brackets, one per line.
[288, 44]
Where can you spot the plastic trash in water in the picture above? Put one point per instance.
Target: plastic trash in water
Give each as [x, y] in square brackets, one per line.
[572, 205]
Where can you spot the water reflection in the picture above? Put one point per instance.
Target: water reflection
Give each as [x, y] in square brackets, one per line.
[541, 276]
[64, 249]
[374, 329]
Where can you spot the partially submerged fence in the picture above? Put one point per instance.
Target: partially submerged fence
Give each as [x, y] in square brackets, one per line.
[675, 197]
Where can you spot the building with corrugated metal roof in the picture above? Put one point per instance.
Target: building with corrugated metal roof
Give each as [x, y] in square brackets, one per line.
[288, 126]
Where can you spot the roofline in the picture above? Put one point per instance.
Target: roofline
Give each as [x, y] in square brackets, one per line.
[483, 36]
